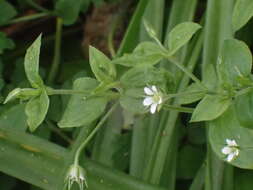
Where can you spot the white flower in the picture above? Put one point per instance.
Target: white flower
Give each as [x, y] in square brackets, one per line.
[76, 174]
[231, 150]
[153, 98]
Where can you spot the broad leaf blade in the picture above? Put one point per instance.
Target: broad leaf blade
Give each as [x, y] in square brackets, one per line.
[243, 109]
[242, 13]
[210, 107]
[68, 10]
[32, 63]
[83, 110]
[146, 53]
[36, 110]
[7, 11]
[101, 65]
[236, 61]
[227, 127]
[180, 35]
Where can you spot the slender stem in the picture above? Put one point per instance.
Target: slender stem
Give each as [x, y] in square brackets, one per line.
[51, 91]
[186, 71]
[57, 51]
[91, 135]
[36, 6]
[58, 132]
[179, 108]
[26, 18]
[185, 94]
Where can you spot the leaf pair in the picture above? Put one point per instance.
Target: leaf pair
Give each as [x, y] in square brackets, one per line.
[38, 103]
[150, 53]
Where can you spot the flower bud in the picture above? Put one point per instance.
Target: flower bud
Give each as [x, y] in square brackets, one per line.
[76, 174]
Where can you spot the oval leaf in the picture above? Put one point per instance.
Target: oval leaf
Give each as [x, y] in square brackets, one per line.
[236, 61]
[101, 66]
[7, 11]
[36, 110]
[180, 35]
[68, 10]
[228, 127]
[81, 110]
[32, 63]
[210, 107]
[146, 53]
[242, 13]
[244, 111]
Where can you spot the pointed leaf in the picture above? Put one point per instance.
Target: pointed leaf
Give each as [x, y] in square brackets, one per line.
[82, 110]
[7, 11]
[32, 63]
[242, 13]
[101, 66]
[210, 107]
[36, 110]
[180, 35]
[236, 61]
[146, 53]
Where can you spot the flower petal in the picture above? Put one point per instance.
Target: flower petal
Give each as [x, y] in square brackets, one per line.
[226, 150]
[147, 101]
[230, 157]
[153, 108]
[231, 142]
[154, 88]
[148, 91]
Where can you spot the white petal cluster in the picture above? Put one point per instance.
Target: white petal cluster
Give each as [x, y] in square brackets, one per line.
[76, 174]
[231, 150]
[152, 99]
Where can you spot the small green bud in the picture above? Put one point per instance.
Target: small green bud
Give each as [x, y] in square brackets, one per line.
[24, 93]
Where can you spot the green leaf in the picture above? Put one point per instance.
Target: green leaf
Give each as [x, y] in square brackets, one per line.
[132, 100]
[101, 66]
[195, 94]
[235, 62]
[210, 107]
[244, 111]
[36, 110]
[7, 11]
[83, 110]
[142, 76]
[32, 63]
[228, 127]
[180, 35]
[146, 53]
[14, 118]
[5, 43]
[242, 13]
[68, 10]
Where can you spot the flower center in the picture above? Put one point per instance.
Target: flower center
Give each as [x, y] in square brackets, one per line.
[156, 98]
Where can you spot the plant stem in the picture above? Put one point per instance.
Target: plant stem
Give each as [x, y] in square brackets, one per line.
[179, 108]
[57, 51]
[91, 135]
[27, 18]
[51, 91]
[36, 6]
